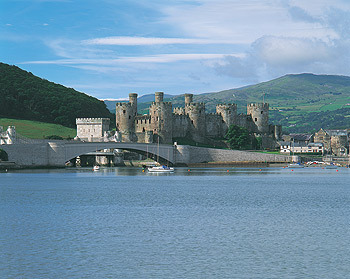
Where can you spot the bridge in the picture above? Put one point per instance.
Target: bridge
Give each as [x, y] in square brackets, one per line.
[56, 153]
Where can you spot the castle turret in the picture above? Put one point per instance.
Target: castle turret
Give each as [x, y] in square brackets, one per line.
[125, 121]
[196, 113]
[188, 99]
[133, 103]
[260, 115]
[228, 113]
[161, 119]
[158, 97]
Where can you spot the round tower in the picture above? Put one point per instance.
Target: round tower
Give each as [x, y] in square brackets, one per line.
[158, 97]
[162, 119]
[133, 102]
[228, 113]
[125, 120]
[188, 99]
[260, 115]
[196, 113]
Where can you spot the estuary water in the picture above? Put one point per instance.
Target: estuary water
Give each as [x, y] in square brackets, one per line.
[195, 223]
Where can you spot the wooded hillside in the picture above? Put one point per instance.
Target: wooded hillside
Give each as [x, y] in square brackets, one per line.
[25, 96]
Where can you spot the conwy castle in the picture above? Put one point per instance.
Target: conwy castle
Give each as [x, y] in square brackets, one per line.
[165, 124]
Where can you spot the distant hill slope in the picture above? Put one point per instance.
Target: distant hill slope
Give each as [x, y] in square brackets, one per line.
[300, 102]
[25, 96]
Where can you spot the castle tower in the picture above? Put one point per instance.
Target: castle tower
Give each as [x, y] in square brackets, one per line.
[158, 97]
[188, 99]
[228, 113]
[196, 113]
[161, 119]
[260, 115]
[133, 103]
[125, 118]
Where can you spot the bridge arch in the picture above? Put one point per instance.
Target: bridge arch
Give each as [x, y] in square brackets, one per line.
[162, 153]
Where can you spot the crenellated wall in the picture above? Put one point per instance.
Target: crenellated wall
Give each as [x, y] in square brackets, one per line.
[165, 123]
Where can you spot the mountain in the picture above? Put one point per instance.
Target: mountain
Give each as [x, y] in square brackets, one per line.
[298, 102]
[148, 98]
[25, 96]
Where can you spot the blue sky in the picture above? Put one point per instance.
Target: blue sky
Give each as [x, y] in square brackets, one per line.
[109, 48]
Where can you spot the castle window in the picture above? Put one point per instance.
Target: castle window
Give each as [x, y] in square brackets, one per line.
[129, 116]
[143, 129]
[229, 112]
[124, 111]
[256, 119]
[150, 121]
[262, 112]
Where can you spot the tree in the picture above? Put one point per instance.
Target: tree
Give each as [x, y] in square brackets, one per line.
[238, 137]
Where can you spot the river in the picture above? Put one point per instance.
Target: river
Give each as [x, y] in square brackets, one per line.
[195, 223]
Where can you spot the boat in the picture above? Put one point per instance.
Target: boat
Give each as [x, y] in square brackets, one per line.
[331, 166]
[295, 165]
[96, 168]
[165, 169]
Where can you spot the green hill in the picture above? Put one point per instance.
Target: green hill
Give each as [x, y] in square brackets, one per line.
[301, 103]
[25, 96]
[37, 130]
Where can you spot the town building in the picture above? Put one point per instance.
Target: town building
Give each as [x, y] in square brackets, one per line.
[336, 142]
[287, 147]
[92, 129]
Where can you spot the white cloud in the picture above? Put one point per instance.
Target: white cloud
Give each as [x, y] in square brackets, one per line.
[139, 41]
[160, 58]
[243, 21]
[286, 51]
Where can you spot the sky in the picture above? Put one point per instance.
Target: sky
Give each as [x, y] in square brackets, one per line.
[110, 48]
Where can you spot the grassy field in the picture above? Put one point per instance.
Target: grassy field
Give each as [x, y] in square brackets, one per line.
[37, 130]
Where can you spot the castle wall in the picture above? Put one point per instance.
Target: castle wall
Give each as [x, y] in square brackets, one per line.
[181, 125]
[164, 123]
[214, 125]
[142, 123]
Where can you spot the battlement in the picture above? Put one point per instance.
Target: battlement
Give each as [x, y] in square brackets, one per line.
[226, 106]
[195, 105]
[143, 117]
[84, 121]
[259, 105]
[123, 105]
[179, 110]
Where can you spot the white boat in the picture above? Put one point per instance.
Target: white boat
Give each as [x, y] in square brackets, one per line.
[295, 165]
[331, 166]
[96, 168]
[161, 169]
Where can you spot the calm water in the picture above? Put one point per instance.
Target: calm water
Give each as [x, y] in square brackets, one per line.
[206, 223]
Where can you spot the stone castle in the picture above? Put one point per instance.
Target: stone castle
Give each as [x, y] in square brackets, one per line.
[165, 124]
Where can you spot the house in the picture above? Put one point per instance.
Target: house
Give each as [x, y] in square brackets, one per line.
[336, 142]
[287, 147]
